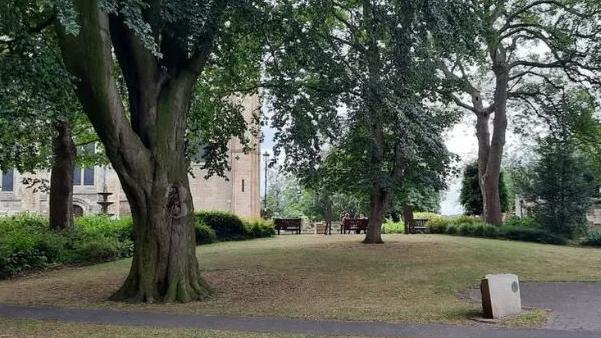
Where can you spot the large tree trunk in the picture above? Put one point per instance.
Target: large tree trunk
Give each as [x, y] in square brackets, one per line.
[407, 217]
[483, 135]
[379, 204]
[146, 147]
[164, 266]
[490, 154]
[61, 177]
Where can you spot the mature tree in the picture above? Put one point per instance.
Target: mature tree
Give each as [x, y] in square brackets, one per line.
[160, 49]
[354, 74]
[511, 44]
[561, 186]
[41, 120]
[471, 195]
[564, 174]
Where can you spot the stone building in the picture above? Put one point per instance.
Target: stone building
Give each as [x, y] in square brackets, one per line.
[239, 193]
[593, 216]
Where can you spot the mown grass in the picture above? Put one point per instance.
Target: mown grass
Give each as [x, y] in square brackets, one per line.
[409, 278]
[44, 328]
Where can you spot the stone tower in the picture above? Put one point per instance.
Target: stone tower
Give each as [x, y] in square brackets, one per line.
[240, 192]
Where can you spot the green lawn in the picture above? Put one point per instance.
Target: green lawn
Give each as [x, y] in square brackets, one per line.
[410, 278]
[39, 328]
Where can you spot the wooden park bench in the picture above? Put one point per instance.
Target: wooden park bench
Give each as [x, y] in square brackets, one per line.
[418, 226]
[354, 224]
[288, 224]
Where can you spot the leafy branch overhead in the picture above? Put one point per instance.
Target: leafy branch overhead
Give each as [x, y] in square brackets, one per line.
[355, 78]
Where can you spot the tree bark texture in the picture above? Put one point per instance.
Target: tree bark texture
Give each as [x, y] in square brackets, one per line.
[378, 204]
[407, 217]
[146, 149]
[490, 150]
[61, 177]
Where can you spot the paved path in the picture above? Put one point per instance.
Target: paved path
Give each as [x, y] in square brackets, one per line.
[575, 306]
[277, 325]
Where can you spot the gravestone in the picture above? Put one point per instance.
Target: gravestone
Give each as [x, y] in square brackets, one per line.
[500, 295]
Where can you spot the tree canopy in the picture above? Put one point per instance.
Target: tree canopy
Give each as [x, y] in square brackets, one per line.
[356, 76]
[513, 49]
[156, 80]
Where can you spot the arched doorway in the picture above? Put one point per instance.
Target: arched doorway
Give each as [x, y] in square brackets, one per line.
[77, 210]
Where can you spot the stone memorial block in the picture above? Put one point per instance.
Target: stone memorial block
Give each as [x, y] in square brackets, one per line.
[500, 295]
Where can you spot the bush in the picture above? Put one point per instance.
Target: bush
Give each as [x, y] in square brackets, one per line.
[515, 229]
[453, 224]
[95, 249]
[120, 228]
[477, 230]
[391, 227]
[26, 244]
[530, 235]
[464, 219]
[593, 239]
[438, 225]
[524, 222]
[426, 215]
[227, 226]
[452, 229]
[204, 233]
[260, 228]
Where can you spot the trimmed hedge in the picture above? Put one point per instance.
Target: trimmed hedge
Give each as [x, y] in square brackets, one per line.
[204, 233]
[227, 226]
[514, 229]
[529, 234]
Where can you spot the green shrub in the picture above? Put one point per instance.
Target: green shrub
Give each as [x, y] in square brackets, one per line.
[260, 228]
[438, 225]
[530, 235]
[593, 239]
[426, 215]
[120, 228]
[204, 233]
[465, 229]
[227, 226]
[452, 229]
[464, 219]
[524, 222]
[515, 229]
[26, 244]
[489, 231]
[391, 227]
[452, 224]
[95, 249]
[31, 222]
